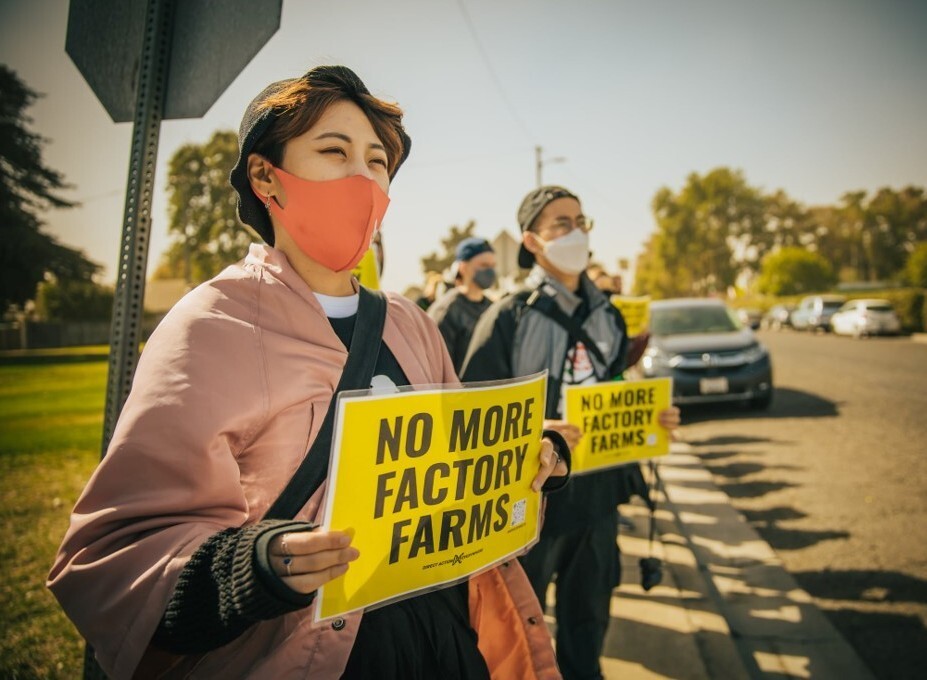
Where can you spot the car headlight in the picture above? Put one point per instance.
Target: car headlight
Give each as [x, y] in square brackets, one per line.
[655, 359]
[755, 353]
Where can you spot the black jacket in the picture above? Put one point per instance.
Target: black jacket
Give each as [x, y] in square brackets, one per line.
[456, 316]
[515, 338]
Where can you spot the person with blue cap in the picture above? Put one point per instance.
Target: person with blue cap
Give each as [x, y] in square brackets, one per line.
[458, 310]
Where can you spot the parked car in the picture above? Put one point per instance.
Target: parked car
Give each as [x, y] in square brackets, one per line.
[814, 312]
[860, 318]
[708, 352]
[778, 317]
[750, 317]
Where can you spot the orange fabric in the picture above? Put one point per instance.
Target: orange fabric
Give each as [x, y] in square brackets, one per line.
[512, 635]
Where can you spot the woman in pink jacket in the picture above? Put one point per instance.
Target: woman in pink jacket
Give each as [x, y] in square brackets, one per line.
[169, 568]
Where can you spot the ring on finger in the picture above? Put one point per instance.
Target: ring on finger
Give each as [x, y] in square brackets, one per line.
[288, 564]
[286, 551]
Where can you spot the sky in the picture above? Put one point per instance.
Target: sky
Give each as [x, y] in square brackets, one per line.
[815, 97]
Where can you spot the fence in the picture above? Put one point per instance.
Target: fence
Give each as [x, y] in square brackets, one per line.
[47, 334]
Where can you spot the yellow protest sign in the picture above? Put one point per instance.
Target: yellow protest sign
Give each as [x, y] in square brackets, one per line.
[434, 485]
[366, 271]
[619, 422]
[636, 312]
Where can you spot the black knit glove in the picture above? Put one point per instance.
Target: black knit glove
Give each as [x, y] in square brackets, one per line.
[225, 588]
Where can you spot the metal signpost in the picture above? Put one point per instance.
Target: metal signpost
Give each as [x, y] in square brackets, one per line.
[147, 61]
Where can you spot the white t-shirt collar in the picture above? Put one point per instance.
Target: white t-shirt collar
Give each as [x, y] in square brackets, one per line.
[339, 307]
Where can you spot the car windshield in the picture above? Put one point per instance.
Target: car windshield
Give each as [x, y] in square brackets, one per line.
[832, 305]
[879, 307]
[702, 319]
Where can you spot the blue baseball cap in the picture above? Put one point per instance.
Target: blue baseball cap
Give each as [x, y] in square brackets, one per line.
[471, 247]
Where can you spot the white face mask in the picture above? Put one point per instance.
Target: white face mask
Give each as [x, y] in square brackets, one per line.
[570, 252]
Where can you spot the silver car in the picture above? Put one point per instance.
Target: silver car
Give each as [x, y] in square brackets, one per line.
[814, 312]
[861, 318]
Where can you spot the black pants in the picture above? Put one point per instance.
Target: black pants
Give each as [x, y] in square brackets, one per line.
[586, 566]
[422, 638]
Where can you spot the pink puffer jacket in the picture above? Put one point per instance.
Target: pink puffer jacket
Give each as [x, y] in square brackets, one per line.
[230, 392]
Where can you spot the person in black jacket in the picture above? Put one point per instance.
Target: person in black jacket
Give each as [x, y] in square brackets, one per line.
[458, 310]
[518, 335]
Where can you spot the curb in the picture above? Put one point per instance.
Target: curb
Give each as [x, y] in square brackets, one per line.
[675, 630]
[774, 625]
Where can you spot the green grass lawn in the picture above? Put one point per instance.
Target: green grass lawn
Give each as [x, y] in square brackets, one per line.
[51, 419]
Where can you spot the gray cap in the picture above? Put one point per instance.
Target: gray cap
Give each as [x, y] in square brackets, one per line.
[531, 207]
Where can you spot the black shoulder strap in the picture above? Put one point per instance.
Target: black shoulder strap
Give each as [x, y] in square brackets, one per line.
[549, 307]
[357, 374]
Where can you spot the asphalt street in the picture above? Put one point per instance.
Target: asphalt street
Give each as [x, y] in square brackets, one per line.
[831, 476]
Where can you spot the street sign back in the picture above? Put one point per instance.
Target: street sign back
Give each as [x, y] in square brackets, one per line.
[213, 40]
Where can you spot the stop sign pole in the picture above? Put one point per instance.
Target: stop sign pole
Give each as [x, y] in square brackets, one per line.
[149, 60]
[128, 304]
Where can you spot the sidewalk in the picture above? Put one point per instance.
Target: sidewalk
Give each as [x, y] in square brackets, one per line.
[726, 607]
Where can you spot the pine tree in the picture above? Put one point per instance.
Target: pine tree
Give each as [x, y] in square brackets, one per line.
[28, 189]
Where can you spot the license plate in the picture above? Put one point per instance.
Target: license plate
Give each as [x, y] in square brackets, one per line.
[713, 385]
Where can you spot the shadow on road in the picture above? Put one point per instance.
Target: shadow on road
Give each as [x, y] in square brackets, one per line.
[726, 440]
[892, 645]
[730, 477]
[771, 515]
[754, 489]
[738, 470]
[787, 403]
[717, 455]
[865, 585]
[781, 538]
[733, 478]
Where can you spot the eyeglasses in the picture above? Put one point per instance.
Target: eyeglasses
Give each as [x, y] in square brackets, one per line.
[564, 225]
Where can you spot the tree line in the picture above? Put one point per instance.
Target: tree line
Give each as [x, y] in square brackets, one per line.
[29, 189]
[719, 232]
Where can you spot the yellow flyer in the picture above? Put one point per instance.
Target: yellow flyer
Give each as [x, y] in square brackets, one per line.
[366, 271]
[434, 484]
[636, 312]
[619, 422]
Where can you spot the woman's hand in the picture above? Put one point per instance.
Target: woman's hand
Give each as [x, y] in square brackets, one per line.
[669, 418]
[305, 560]
[549, 465]
[571, 433]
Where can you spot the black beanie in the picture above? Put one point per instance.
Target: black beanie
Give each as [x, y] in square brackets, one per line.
[257, 121]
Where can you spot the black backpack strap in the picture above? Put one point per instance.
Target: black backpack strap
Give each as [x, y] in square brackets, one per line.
[549, 308]
[357, 374]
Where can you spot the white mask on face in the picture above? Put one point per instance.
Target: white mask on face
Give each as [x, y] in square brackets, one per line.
[569, 253]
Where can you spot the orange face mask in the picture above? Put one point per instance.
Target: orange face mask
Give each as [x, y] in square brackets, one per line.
[332, 222]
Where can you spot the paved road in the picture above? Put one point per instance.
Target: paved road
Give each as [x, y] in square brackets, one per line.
[832, 477]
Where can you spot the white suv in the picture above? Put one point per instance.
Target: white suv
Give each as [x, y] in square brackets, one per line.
[860, 318]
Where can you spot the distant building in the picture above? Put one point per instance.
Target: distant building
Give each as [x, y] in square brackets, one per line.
[506, 247]
[162, 294]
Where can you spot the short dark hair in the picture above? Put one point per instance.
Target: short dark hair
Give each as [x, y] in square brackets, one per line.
[286, 109]
[299, 104]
